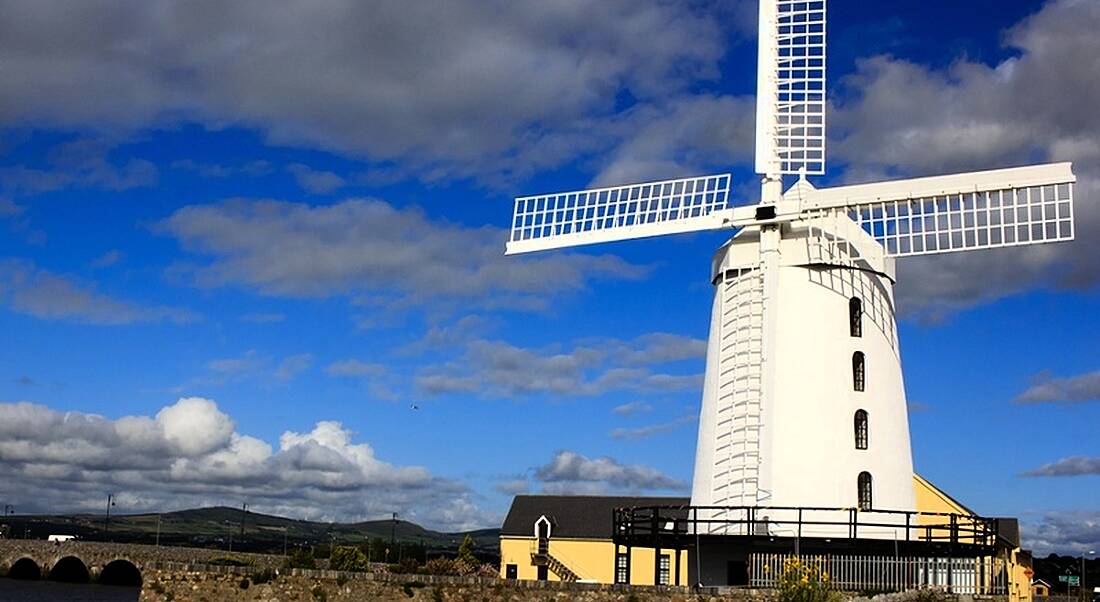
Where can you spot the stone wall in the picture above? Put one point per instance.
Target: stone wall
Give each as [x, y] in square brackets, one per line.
[95, 555]
[170, 583]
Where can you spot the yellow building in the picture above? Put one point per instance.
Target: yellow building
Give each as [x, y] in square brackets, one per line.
[569, 538]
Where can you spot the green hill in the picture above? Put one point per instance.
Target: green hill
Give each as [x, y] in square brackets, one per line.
[220, 527]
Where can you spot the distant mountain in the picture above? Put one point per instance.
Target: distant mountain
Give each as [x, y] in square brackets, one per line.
[215, 527]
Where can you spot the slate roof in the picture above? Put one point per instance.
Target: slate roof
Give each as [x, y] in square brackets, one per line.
[582, 516]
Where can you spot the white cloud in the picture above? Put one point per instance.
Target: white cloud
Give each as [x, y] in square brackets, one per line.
[570, 472]
[190, 454]
[292, 366]
[361, 247]
[315, 181]
[82, 163]
[908, 119]
[631, 408]
[28, 289]
[465, 87]
[1047, 389]
[1075, 466]
[1063, 532]
[495, 369]
[253, 365]
[685, 136]
[195, 426]
[353, 368]
[644, 432]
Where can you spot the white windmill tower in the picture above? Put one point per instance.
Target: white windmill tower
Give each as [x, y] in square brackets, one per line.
[804, 403]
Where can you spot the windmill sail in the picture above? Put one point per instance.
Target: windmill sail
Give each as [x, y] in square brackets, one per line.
[566, 219]
[790, 101]
[960, 212]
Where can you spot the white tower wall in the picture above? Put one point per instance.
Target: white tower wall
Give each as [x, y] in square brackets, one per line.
[777, 421]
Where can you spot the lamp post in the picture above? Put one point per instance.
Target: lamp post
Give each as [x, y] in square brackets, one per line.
[107, 521]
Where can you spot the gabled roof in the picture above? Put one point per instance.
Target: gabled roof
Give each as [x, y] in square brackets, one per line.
[580, 516]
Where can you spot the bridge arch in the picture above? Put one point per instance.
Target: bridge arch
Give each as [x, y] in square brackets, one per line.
[120, 572]
[25, 568]
[70, 569]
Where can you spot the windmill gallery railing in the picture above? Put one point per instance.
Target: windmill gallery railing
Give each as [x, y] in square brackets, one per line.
[678, 526]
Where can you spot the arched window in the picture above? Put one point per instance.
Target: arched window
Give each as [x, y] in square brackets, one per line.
[864, 487]
[855, 316]
[859, 371]
[861, 429]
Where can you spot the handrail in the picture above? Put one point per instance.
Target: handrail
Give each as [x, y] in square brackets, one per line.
[653, 521]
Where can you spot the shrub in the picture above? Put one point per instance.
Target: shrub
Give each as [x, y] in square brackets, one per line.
[487, 570]
[263, 576]
[346, 558]
[245, 583]
[301, 558]
[805, 582]
[407, 565]
[441, 566]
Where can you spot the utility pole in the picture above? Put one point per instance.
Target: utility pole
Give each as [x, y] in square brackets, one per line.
[107, 521]
[285, 529]
[244, 513]
[1084, 592]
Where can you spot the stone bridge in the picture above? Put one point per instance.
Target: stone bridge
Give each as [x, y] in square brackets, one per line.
[113, 563]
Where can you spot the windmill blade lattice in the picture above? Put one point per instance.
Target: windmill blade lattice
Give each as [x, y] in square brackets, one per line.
[790, 102]
[567, 219]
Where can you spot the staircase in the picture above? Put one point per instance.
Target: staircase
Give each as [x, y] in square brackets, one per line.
[542, 557]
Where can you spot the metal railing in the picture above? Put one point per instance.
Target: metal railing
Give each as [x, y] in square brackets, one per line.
[981, 575]
[653, 526]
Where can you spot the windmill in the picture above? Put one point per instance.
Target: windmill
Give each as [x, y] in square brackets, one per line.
[803, 400]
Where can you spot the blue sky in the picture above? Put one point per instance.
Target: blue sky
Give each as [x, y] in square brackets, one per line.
[255, 255]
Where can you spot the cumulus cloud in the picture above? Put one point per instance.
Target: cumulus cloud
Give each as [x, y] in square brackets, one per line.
[28, 289]
[190, 454]
[496, 369]
[904, 118]
[1068, 467]
[570, 472]
[372, 247]
[1063, 532]
[465, 87]
[1045, 388]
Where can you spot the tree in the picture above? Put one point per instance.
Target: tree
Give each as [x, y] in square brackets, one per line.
[346, 558]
